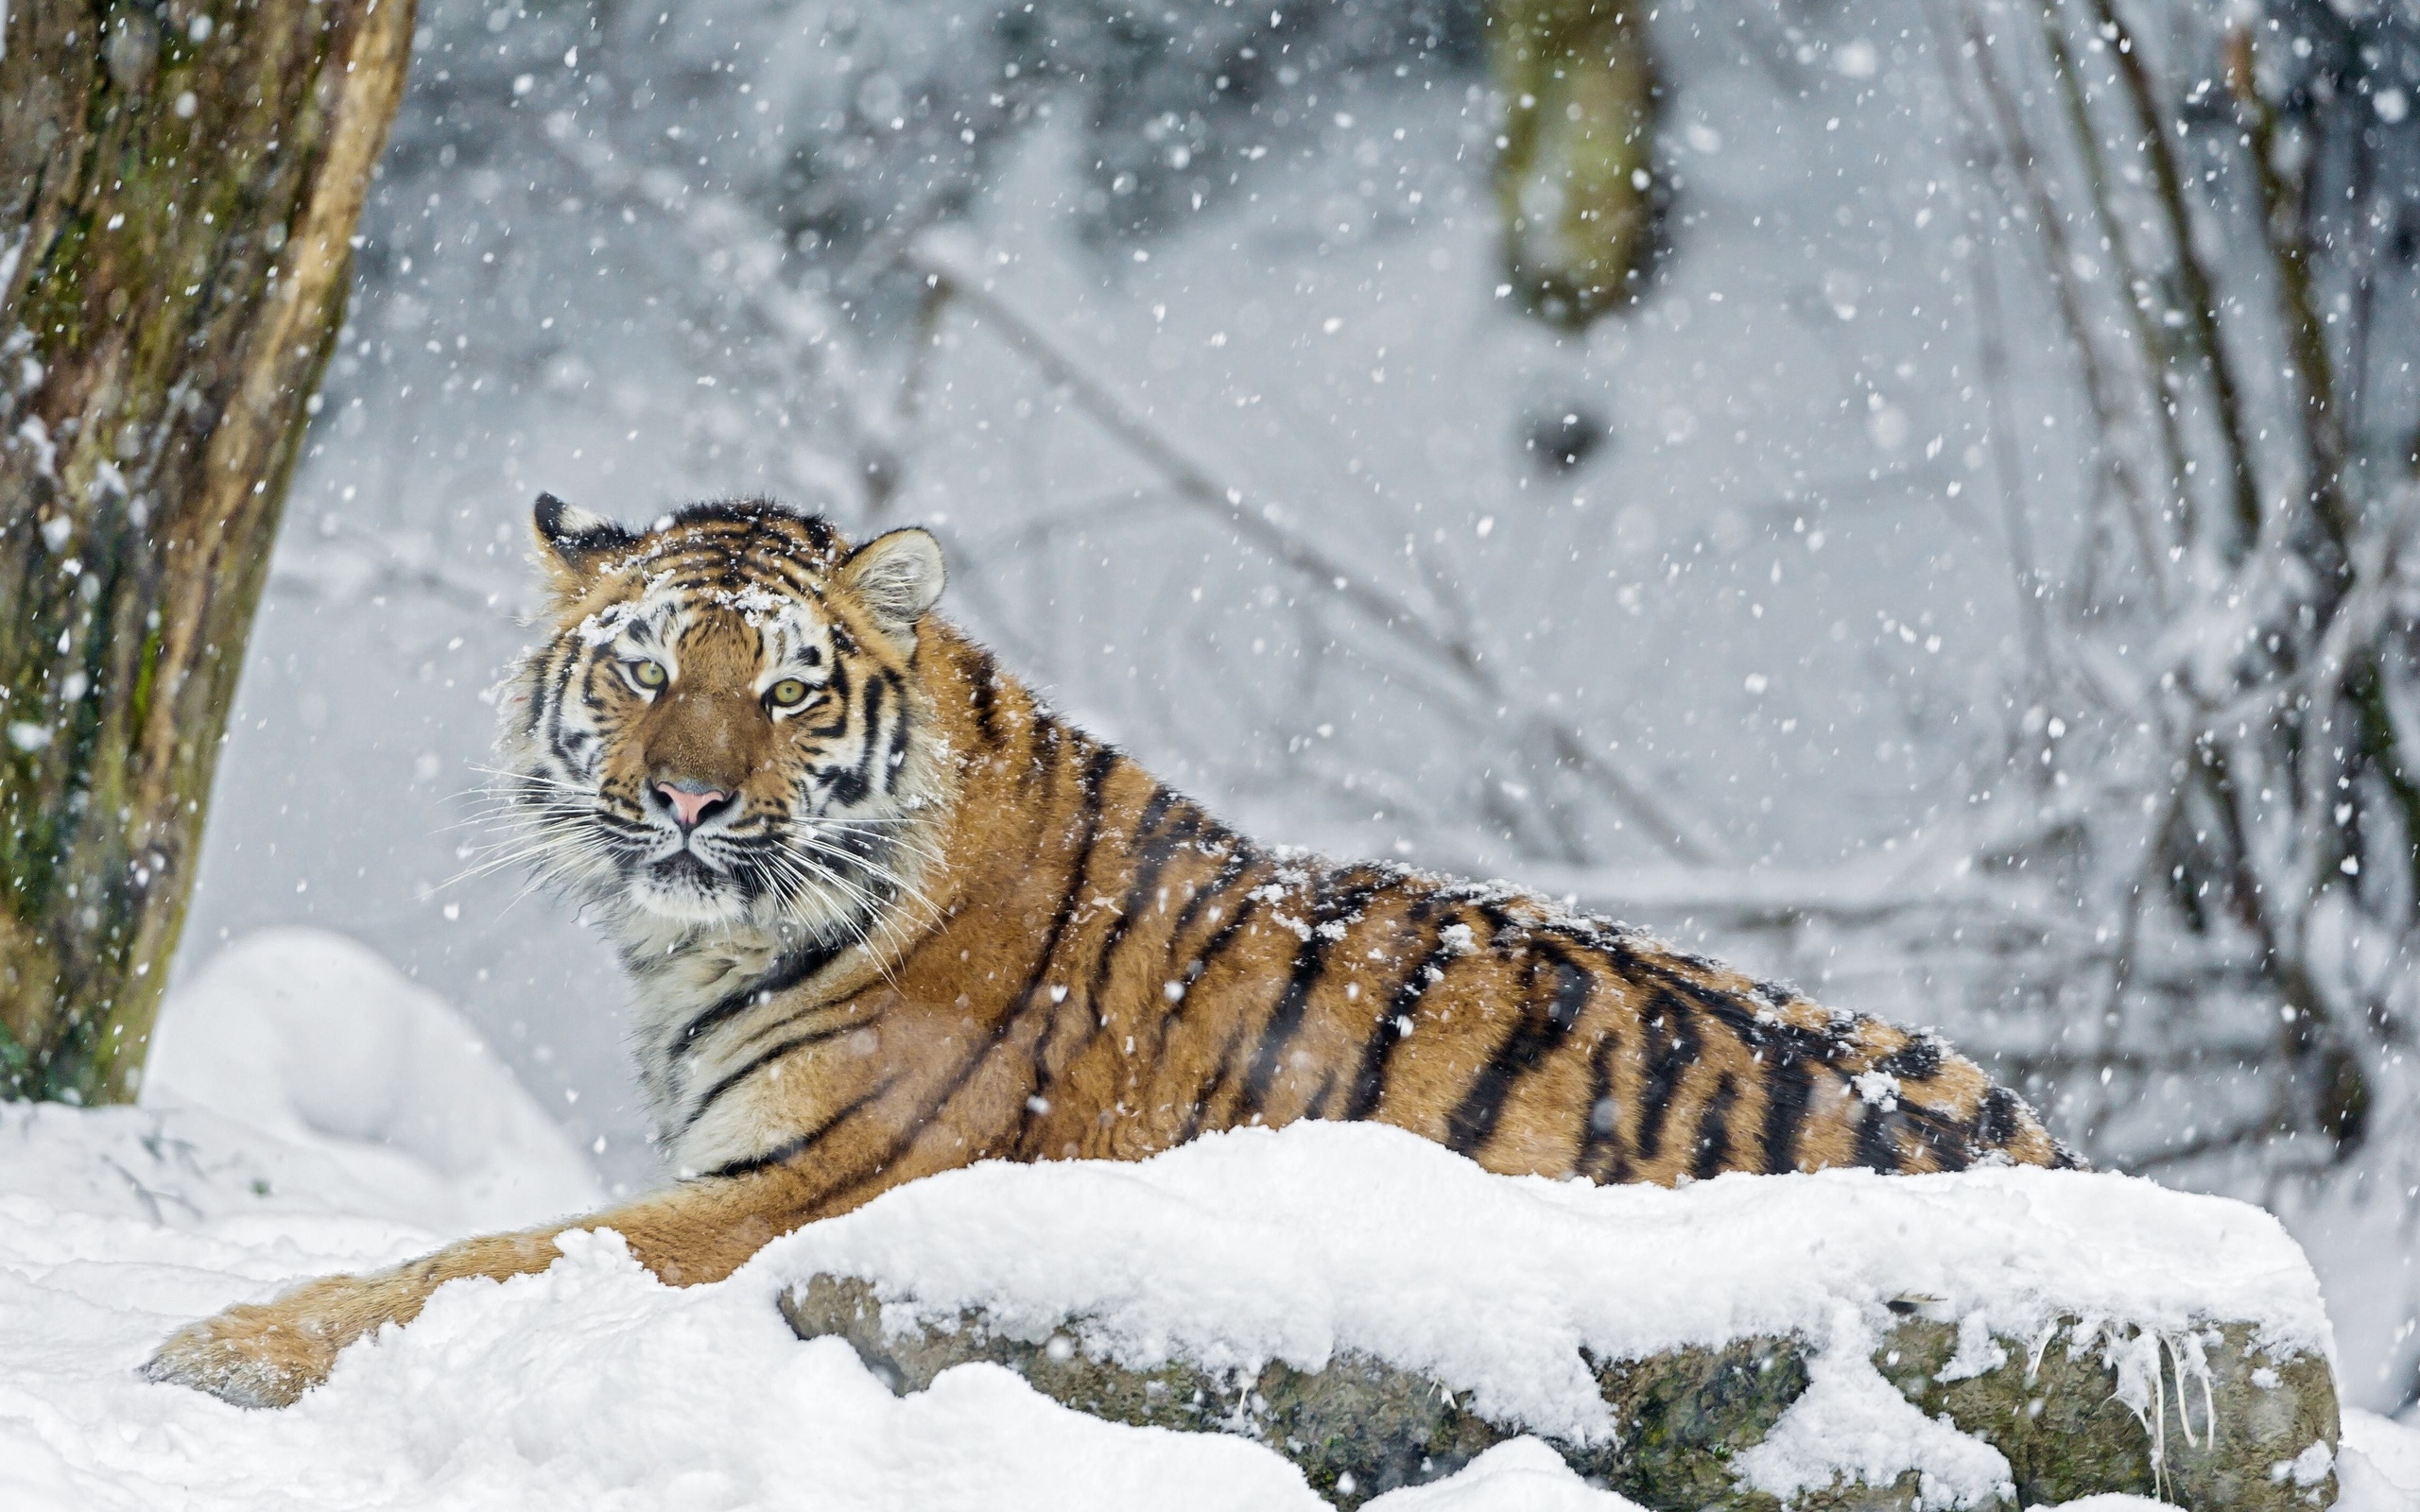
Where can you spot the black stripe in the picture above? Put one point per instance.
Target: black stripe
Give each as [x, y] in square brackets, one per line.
[758, 1063]
[1370, 1079]
[555, 716]
[788, 971]
[1095, 772]
[881, 689]
[1735, 1012]
[1574, 984]
[743, 517]
[1157, 849]
[984, 695]
[1153, 848]
[1524, 1049]
[1919, 1059]
[626, 829]
[1097, 990]
[1790, 1089]
[1310, 964]
[1502, 928]
[785, 570]
[786, 1022]
[545, 687]
[1601, 1157]
[1237, 865]
[1875, 1149]
[896, 757]
[1714, 1129]
[1671, 1050]
[838, 686]
[1195, 968]
[792, 1148]
[1239, 859]
[1674, 997]
[1209, 1093]
[850, 787]
[1939, 1135]
[2001, 1119]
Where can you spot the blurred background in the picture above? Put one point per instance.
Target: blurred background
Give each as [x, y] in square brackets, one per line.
[1912, 497]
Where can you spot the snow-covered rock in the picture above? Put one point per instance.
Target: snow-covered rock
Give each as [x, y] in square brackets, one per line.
[1295, 1243]
[1370, 1303]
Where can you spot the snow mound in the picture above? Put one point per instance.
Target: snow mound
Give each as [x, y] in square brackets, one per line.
[590, 1386]
[1295, 1245]
[2377, 1466]
[1519, 1475]
[313, 1039]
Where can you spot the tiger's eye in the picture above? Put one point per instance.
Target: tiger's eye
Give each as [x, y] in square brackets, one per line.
[787, 693]
[647, 674]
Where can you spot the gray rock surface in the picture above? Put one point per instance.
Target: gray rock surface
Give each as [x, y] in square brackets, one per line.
[2056, 1407]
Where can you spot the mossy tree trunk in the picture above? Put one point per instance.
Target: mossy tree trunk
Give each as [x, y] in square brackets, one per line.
[1575, 170]
[179, 184]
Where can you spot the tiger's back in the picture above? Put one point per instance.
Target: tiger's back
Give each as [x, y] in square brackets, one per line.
[1187, 980]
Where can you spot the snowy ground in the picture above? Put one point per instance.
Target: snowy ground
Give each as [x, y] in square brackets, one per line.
[279, 1139]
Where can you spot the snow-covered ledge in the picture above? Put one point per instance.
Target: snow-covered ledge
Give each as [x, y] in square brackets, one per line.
[1380, 1312]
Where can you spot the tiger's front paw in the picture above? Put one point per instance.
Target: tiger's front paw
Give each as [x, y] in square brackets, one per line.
[267, 1354]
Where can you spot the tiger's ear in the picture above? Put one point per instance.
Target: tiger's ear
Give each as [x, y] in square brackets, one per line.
[897, 576]
[570, 539]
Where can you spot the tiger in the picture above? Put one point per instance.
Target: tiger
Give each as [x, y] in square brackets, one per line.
[887, 913]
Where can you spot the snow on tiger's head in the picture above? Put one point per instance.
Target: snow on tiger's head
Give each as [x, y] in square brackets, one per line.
[725, 728]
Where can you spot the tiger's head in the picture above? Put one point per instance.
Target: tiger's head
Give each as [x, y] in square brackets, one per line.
[724, 730]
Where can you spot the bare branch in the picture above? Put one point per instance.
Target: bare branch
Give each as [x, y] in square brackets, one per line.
[1193, 484]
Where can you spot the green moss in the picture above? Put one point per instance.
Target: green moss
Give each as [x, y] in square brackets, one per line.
[146, 673]
[55, 303]
[2053, 1410]
[30, 836]
[1683, 1416]
[16, 1067]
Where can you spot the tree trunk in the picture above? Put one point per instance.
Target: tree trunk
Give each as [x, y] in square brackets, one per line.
[1574, 172]
[178, 183]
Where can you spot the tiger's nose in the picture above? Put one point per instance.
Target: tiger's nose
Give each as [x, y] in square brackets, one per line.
[691, 803]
